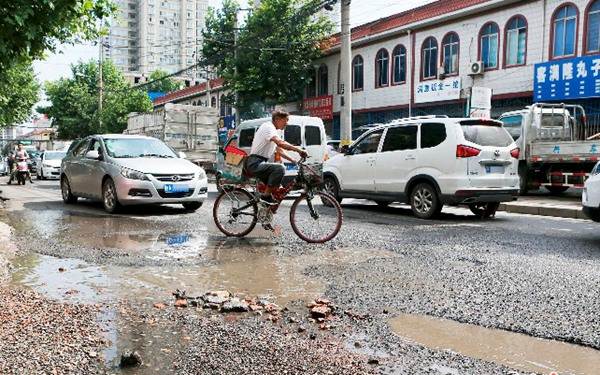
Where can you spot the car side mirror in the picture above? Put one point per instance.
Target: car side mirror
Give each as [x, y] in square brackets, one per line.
[92, 154]
[182, 155]
[346, 150]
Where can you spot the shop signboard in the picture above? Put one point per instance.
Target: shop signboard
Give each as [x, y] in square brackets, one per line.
[574, 78]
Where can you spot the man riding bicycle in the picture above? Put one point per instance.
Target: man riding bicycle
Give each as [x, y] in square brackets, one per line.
[267, 142]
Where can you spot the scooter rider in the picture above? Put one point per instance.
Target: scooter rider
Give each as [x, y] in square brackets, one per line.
[20, 155]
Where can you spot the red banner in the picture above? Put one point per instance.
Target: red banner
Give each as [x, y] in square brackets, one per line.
[320, 106]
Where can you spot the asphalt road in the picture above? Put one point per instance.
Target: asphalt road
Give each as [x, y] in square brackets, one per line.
[386, 272]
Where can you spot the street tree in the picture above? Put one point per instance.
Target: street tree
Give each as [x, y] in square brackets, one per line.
[19, 91]
[272, 57]
[75, 109]
[30, 28]
[162, 84]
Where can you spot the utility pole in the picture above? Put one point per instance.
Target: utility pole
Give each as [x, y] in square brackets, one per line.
[100, 81]
[345, 77]
[235, 69]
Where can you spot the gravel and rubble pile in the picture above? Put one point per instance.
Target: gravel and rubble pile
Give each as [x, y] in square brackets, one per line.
[41, 336]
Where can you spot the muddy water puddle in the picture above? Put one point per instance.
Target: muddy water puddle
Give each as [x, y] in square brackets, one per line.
[517, 351]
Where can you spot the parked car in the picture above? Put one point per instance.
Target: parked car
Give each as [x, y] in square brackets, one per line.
[124, 170]
[427, 162]
[31, 162]
[48, 164]
[590, 196]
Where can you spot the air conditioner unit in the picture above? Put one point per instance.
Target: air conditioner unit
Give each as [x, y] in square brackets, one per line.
[476, 68]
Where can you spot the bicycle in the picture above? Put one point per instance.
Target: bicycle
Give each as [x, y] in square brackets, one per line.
[315, 216]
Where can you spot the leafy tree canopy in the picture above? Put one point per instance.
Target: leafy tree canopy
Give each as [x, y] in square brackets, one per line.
[274, 50]
[74, 101]
[19, 91]
[29, 28]
[164, 85]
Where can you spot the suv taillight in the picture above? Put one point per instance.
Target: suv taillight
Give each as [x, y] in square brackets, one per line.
[515, 153]
[466, 151]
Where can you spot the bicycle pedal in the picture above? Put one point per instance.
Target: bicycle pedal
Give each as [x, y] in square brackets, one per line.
[269, 227]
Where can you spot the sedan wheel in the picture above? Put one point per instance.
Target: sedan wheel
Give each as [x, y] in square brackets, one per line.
[65, 189]
[109, 197]
[424, 201]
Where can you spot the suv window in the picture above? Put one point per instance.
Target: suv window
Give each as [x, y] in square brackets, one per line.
[368, 144]
[487, 135]
[246, 137]
[432, 134]
[513, 125]
[400, 138]
[312, 134]
[291, 134]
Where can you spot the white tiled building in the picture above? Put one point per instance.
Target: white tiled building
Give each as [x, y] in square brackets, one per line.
[156, 35]
[495, 44]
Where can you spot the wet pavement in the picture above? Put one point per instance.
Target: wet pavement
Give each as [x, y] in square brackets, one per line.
[86, 256]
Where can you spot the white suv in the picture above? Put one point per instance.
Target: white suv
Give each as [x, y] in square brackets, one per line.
[427, 162]
[590, 197]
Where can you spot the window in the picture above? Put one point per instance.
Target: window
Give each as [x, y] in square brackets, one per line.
[312, 134]
[564, 32]
[513, 125]
[311, 88]
[291, 134]
[489, 46]
[382, 62]
[357, 73]
[213, 102]
[432, 134]
[246, 137]
[399, 64]
[400, 138]
[323, 79]
[450, 51]
[429, 59]
[516, 40]
[592, 38]
[486, 135]
[368, 144]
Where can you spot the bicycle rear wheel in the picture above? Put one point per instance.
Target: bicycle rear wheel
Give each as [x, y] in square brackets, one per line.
[316, 217]
[235, 212]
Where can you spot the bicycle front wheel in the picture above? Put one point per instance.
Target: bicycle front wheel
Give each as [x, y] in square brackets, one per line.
[316, 217]
[235, 212]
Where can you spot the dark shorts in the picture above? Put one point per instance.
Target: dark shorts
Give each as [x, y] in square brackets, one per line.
[269, 173]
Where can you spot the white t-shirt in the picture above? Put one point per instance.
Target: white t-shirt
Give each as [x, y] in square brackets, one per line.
[262, 144]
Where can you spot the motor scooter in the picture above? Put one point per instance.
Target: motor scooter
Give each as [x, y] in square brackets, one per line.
[22, 171]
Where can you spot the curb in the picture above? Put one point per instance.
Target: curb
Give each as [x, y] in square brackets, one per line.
[565, 212]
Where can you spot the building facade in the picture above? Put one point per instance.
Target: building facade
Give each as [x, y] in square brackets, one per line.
[154, 35]
[428, 60]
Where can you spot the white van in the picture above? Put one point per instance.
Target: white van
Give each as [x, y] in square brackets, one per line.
[305, 132]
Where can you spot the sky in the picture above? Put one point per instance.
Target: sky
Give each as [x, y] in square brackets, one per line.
[361, 11]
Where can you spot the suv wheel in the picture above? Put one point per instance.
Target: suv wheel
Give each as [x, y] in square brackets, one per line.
[424, 201]
[109, 197]
[331, 188]
[484, 210]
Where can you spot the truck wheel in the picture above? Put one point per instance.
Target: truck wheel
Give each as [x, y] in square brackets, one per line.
[556, 189]
[523, 181]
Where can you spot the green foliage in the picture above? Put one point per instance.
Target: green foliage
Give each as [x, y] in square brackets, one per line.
[29, 28]
[165, 85]
[75, 101]
[274, 50]
[19, 91]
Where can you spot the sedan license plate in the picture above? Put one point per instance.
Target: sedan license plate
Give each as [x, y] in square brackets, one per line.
[176, 188]
[291, 167]
[494, 169]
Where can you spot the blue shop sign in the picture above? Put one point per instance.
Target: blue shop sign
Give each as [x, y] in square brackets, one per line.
[574, 78]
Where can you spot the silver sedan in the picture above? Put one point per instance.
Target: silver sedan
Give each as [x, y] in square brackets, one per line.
[130, 170]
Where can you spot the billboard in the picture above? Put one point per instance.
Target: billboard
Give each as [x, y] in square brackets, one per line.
[320, 106]
[574, 78]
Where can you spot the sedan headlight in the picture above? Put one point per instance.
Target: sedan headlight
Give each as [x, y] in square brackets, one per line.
[46, 165]
[201, 174]
[133, 174]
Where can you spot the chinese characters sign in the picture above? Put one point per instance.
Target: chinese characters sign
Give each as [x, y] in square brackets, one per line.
[438, 90]
[320, 106]
[574, 78]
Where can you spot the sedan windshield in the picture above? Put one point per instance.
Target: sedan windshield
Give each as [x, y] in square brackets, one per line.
[137, 148]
